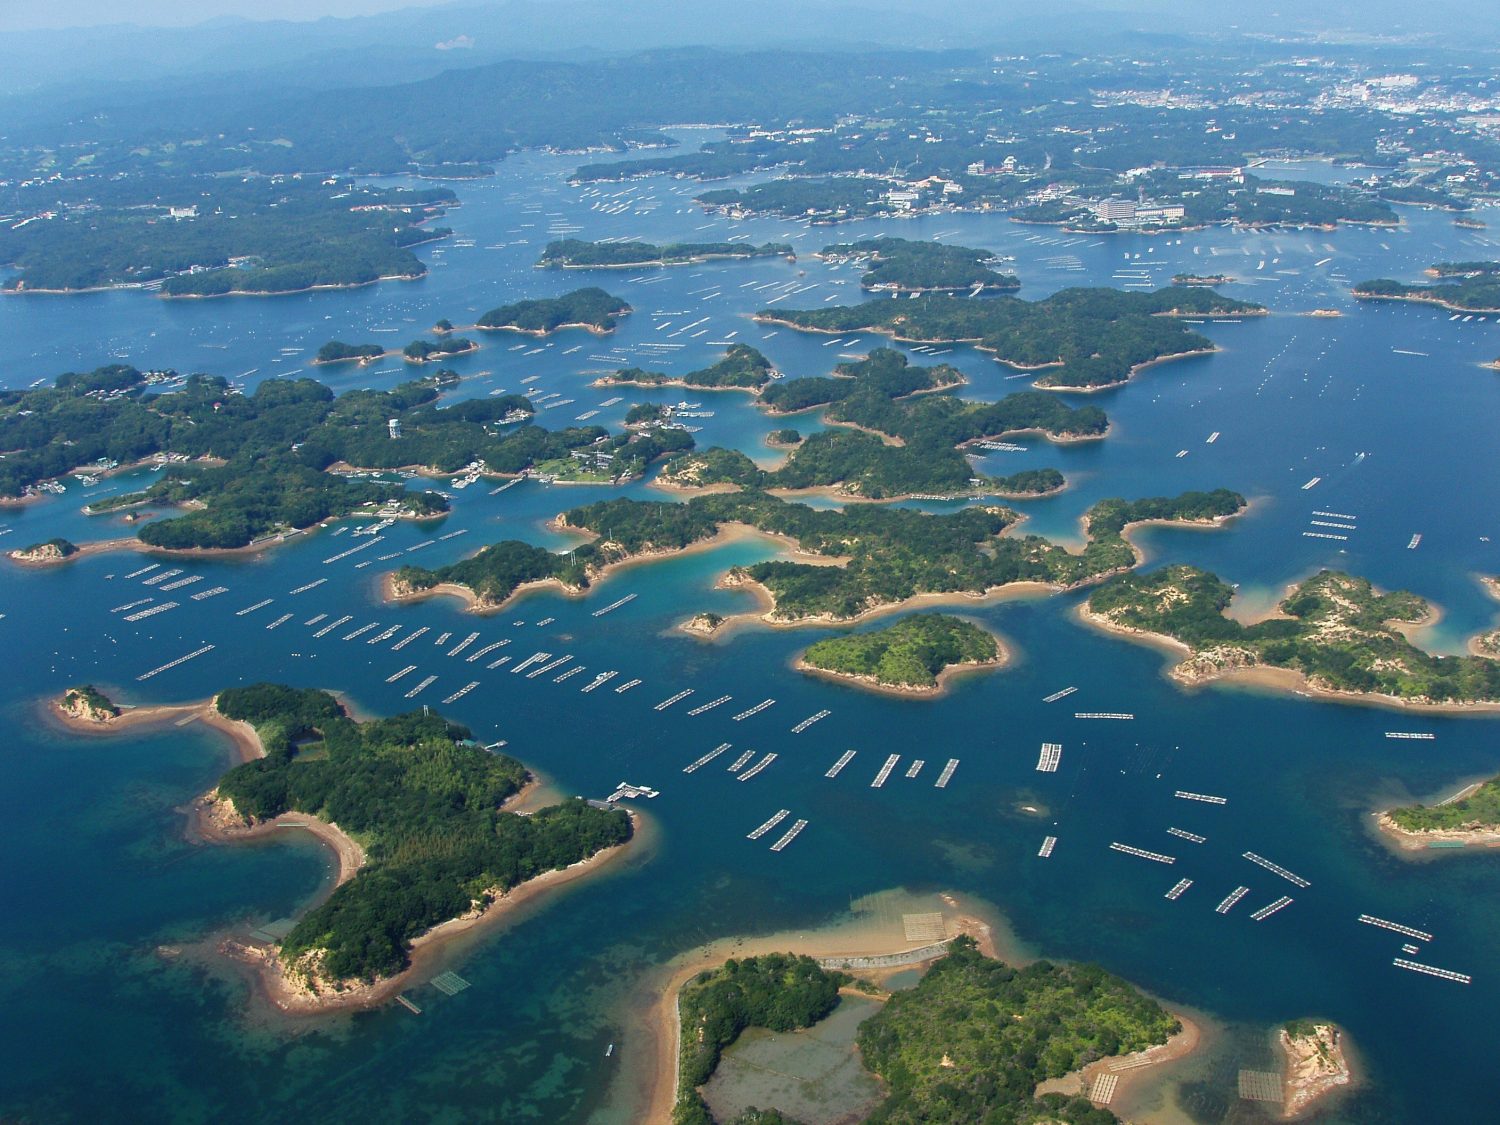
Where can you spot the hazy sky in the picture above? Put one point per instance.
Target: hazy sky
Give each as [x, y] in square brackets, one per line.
[25, 15]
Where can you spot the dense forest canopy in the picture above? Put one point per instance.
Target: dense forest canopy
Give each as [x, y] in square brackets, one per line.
[1334, 628]
[901, 265]
[911, 653]
[590, 307]
[575, 253]
[422, 798]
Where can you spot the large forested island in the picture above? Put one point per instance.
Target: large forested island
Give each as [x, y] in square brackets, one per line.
[1336, 630]
[912, 656]
[1076, 338]
[589, 308]
[901, 265]
[208, 236]
[576, 254]
[901, 441]
[248, 467]
[421, 799]
[885, 555]
[970, 1042]
[1469, 287]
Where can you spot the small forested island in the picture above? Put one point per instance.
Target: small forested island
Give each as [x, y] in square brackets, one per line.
[52, 551]
[1209, 279]
[912, 656]
[743, 368]
[88, 704]
[423, 802]
[249, 468]
[784, 438]
[336, 351]
[777, 991]
[912, 445]
[590, 308]
[1316, 1063]
[209, 236]
[823, 200]
[1477, 288]
[425, 351]
[1470, 816]
[576, 254]
[970, 1042]
[1335, 630]
[900, 265]
[887, 555]
[1078, 338]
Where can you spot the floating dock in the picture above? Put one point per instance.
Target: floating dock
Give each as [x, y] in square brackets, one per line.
[614, 605]
[844, 759]
[1048, 843]
[739, 762]
[626, 686]
[810, 720]
[915, 768]
[791, 834]
[671, 699]
[408, 670]
[1050, 756]
[946, 775]
[423, 686]
[1184, 834]
[710, 705]
[1422, 734]
[885, 771]
[1102, 715]
[1394, 927]
[1177, 888]
[1142, 853]
[1231, 899]
[1432, 971]
[1276, 869]
[1271, 908]
[776, 818]
[756, 710]
[1056, 695]
[1204, 797]
[406, 640]
[710, 756]
[197, 652]
[755, 769]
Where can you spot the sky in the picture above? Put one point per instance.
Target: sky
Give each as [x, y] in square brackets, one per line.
[30, 15]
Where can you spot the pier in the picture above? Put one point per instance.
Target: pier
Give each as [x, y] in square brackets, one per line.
[710, 756]
[1177, 888]
[776, 818]
[1204, 797]
[844, 759]
[1271, 908]
[710, 705]
[791, 834]
[1276, 869]
[885, 771]
[1231, 899]
[756, 710]
[1184, 834]
[1394, 927]
[947, 774]
[1048, 843]
[197, 652]
[1432, 971]
[810, 720]
[755, 769]
[1051, 755]
[671, 699]
[1142, 853]
[1056, 695]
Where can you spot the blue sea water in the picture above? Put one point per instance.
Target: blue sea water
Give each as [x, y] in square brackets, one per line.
[1387, 406]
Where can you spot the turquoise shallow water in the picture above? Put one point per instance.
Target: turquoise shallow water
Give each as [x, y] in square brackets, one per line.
[98, 875]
